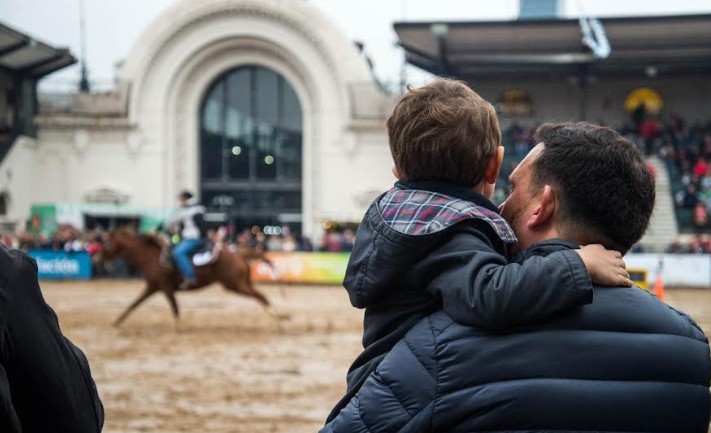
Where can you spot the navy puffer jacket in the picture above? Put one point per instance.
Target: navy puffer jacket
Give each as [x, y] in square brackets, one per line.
[428, 245]
[625, 363]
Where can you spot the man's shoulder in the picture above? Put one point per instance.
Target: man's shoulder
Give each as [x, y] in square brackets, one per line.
[628, 310]
[616, 310]
[13, 264]
[654, 314]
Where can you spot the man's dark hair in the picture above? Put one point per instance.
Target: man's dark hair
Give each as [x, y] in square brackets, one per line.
[605, 189]
[443, 131]
[186, 195]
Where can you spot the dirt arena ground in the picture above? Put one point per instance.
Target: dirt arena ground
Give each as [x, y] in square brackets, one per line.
[228, 368]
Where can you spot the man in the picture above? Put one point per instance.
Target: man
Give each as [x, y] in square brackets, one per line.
[193, 230]
[45, 381]
[625, 363]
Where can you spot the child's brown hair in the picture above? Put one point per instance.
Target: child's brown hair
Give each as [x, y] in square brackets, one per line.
[443, 131]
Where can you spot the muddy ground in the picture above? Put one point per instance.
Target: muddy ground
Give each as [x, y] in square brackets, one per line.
[229, 367]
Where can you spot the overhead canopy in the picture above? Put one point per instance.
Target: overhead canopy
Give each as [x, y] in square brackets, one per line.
[20, 54]
[669, 45]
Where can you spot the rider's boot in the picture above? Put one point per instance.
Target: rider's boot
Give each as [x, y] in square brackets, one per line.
[187, 284]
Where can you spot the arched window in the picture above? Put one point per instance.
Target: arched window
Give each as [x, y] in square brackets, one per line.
[251, 148]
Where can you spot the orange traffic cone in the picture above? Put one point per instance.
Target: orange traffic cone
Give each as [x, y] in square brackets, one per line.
[659, 286]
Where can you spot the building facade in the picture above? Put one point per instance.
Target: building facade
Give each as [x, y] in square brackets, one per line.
[262, 107]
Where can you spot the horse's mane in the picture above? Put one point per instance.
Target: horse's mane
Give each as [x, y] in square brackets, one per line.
[151, 240]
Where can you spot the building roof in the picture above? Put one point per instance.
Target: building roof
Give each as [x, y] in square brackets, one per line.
[21, 54]
[672, 45]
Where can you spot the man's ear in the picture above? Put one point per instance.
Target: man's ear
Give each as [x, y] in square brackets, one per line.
[396, 173]
[494, 166]
[545, 210]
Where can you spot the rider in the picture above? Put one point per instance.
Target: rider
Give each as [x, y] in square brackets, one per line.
[191, 216]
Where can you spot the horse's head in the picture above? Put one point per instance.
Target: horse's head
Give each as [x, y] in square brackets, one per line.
[117, 241]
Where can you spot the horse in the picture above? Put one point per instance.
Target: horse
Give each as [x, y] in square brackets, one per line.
[230, 268]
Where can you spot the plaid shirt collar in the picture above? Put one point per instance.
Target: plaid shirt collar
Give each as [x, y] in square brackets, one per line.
[420, 212]
[449, 189]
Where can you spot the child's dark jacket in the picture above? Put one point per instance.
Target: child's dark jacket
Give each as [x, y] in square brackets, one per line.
[423, 246]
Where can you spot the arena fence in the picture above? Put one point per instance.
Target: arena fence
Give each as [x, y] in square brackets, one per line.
[678, 270]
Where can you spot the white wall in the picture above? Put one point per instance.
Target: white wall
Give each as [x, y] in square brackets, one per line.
[351, 179]
[17, 177]
[192, 43]
[678, 270]
[71, 163]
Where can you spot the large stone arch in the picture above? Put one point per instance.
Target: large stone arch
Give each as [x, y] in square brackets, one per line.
[192, 43]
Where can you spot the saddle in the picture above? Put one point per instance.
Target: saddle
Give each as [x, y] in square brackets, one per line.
[206, 255]
[203, 256]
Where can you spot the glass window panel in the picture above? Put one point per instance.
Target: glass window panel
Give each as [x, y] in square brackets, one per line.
[290, 155]
[266, 152]
[267, 116]
[244, 200]
[211, 134]
[291, 109]
[266, 97]
[239, 123]
[251, 122]
[212, 110]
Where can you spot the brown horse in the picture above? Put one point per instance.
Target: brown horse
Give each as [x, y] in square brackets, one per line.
[143, 251]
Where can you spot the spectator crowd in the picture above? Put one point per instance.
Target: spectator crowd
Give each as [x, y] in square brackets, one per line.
[70, 239]
[684, 148]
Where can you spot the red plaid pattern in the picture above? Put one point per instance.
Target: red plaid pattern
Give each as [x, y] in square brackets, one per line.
[418, 212]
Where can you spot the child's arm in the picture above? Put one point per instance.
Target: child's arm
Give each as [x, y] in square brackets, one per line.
[605, 267]
[478, 287]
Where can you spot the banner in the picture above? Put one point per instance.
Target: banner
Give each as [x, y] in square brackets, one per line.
[306, 268]
[678, 270]
[43, 219]
[62, 265]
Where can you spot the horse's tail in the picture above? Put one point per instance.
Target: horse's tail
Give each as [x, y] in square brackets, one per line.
[252, 254]
[256, 255]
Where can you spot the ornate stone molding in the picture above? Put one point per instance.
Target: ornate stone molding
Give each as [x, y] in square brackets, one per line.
[209, 11]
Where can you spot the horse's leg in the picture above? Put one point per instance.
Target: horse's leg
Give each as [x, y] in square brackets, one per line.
[170, 294]
[245, 286]
[275, 276]
[147, 292]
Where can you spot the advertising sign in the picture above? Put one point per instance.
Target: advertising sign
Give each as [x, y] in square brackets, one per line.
[306, 268]
[62, 265]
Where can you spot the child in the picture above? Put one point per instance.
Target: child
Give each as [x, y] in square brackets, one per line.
[436, 241]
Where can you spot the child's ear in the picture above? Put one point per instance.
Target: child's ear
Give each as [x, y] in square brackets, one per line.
[396, 173]
[494, 165]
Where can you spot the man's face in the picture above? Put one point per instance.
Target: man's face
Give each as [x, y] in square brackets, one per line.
[519, 204]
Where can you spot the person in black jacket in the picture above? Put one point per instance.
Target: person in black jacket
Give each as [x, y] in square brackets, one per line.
[45, 380]
[435, 240]
[625, 363]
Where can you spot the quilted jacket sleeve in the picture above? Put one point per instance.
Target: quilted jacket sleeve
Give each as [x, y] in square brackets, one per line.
[399, 396]
[478, 287]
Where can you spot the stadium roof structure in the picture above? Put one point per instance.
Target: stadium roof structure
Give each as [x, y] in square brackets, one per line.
[553, 48]
[22, 55]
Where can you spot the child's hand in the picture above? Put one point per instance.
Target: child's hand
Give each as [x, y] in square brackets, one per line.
[606, 267]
